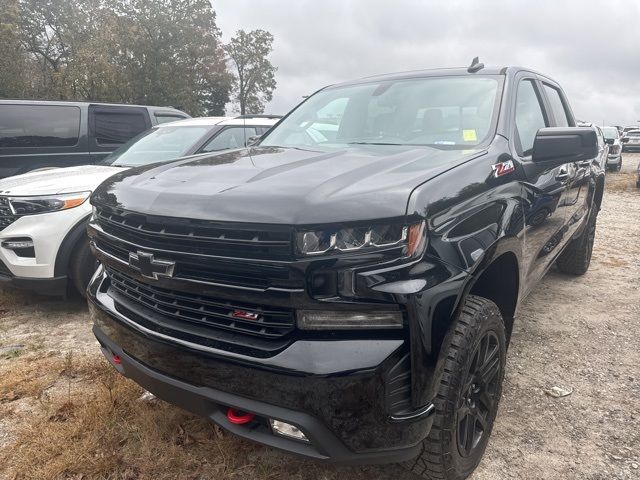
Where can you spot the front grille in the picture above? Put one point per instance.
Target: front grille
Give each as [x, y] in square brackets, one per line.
[198, 236]
[6, 215]
[202, 319]
[212, 270]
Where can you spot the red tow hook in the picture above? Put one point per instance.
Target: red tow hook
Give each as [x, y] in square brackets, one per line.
[239, 418]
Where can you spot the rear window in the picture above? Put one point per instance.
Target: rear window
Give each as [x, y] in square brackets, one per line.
[117, 126]
[29, 126]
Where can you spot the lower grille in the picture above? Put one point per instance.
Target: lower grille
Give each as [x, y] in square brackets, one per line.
[203, 320]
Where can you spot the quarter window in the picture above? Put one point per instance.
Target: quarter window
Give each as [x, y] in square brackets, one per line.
[115, 127]
[529, 117]
[29, 126]
[557, 106]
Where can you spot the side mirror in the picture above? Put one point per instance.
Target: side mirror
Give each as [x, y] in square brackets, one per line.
[624, 139]
[558, 145]
[252, 140]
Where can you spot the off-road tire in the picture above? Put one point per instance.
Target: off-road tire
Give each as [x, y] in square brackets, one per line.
[82, 265]
[441, 457]
[576, 258]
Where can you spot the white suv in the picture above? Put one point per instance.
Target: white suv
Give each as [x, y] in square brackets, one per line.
[43, 214]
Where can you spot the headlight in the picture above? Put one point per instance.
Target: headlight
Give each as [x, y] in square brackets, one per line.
[46, 203]
[317, 242]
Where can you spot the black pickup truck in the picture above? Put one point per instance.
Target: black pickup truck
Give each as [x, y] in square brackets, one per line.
[345, 289]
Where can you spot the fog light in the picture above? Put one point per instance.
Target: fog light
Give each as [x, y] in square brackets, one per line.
[287, 430]
[17, 244]
[336, 320]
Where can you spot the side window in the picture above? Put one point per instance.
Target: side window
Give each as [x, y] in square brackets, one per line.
[29, 126]
[529, 117]
[231, 137]
[557, 105]
[164, 118]
[116, 126]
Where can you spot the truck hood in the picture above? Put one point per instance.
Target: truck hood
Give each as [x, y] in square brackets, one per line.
[282, 185]
[57, 180]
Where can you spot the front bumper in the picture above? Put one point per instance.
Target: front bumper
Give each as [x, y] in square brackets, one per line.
[55, 286]
[332, 390]
[47, 231]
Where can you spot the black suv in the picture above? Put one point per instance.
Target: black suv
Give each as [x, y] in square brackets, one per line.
[38, 133]
[345, 289]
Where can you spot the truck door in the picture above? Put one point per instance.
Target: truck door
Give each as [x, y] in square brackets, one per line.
[578, 174]
[544, 189]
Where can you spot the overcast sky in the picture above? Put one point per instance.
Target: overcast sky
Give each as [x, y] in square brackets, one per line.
[592, 48]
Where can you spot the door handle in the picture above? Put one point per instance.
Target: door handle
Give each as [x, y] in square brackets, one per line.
[562, 176]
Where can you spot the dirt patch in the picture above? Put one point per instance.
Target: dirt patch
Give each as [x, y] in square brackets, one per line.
[64, 413]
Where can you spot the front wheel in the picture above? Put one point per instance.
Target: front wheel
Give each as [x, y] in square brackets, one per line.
[473, 358]
[82, 266]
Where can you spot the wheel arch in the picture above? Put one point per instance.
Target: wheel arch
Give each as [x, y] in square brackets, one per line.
[67, 247]
[497, 279]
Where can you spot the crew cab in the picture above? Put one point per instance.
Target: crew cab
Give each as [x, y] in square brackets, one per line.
[345, 289]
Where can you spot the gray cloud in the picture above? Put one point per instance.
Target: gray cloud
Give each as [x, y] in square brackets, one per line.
[590, 47]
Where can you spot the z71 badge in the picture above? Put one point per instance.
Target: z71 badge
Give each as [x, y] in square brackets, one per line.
[500, 169]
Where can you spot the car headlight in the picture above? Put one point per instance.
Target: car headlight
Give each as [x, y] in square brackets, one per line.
[46, 203]
[317, 242]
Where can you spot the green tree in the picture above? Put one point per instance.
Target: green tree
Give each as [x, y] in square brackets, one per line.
[14, 75]
[161, 52]
[254, 81]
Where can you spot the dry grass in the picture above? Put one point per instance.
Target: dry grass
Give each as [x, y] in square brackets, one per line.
[90, 424]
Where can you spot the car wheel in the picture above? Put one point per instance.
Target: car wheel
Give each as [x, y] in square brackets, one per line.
[576, 257]
[472, 359]
[82, 266]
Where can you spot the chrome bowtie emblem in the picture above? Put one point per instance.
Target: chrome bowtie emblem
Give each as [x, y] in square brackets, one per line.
[149, 267]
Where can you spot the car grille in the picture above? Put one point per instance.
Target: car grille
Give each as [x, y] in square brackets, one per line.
[198, 237]
[202, 319]
[6, 215]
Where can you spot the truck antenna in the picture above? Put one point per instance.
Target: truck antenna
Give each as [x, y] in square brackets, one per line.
[475, 66]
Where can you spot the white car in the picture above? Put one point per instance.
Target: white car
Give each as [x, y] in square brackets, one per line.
[43, 214]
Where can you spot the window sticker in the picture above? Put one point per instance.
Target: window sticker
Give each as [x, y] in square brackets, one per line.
[469, 135]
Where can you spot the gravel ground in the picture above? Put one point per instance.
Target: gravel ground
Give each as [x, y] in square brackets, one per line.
[581, 334]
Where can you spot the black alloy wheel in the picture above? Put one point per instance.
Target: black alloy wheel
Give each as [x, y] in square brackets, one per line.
[478, 399]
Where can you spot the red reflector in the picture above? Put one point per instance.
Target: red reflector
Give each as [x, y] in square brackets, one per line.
[239, 418]
[116, 359]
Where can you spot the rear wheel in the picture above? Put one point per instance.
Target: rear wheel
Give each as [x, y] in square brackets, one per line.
[82, 265]
[473, 355]
[576, 257]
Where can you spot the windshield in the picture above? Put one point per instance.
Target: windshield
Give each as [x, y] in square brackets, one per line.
[450, 112]
[157, 145]
[610, 133]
